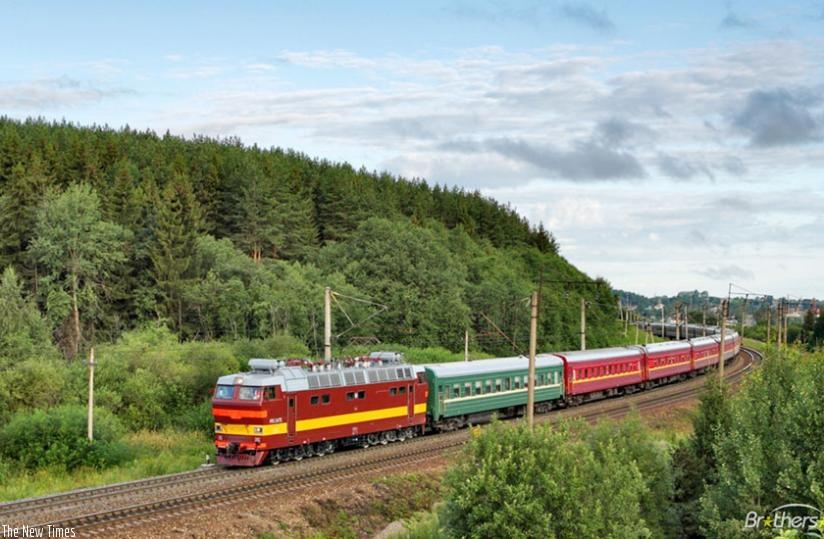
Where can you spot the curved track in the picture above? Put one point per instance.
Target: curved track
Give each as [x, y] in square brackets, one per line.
[99, 510]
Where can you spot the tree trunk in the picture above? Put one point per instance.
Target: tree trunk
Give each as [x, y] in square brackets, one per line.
[75, 319]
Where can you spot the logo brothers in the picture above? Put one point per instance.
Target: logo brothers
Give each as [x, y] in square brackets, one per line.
[794, 516]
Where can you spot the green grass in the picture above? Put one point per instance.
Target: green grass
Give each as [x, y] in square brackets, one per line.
[423, 525]
[152, 453]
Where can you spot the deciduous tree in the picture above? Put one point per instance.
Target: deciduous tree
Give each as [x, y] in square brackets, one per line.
[78, 249]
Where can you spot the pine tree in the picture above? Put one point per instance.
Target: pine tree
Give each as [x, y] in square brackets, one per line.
[176, 231]
[18, 208]
[260, 229]
[23, 331]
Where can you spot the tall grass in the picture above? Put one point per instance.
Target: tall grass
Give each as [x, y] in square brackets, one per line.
[153, 453]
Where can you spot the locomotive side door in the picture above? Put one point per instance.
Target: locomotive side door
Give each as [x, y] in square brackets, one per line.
[291, 412]
[410, 401]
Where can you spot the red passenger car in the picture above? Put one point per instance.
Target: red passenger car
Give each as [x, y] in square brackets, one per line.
[704, 353]
[277, 413]
[592, 374]
[732, 344]
[667, 362]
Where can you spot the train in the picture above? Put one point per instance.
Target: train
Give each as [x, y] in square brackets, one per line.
[678, 331]
[280, 411]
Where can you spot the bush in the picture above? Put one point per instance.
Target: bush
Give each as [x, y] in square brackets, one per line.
[197, 418]
[513, 482]
[57, 437]
[771, 450]
[33, 382]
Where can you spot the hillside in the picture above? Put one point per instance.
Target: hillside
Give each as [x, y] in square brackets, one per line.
[108, 230]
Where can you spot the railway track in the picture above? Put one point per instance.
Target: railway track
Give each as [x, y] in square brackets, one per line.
[97, 511]
[30, 507]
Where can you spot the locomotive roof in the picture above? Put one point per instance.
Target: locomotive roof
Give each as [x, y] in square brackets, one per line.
[267, 372]
[491, 366]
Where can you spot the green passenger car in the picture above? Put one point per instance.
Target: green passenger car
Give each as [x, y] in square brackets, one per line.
[470, 392]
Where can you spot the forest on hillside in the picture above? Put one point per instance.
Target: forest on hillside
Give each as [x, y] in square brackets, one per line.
[106, 231]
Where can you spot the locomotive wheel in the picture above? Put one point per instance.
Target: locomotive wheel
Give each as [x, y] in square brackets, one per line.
[281, 455]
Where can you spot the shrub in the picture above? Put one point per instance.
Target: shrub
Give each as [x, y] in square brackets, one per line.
[57, 437]
[197, 418]
[770, 451]
[513, 482]
[32, 382]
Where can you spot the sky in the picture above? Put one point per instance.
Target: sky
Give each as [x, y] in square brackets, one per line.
[667, 146]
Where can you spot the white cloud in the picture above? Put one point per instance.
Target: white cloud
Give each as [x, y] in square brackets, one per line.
[628, 158]
[55, 93]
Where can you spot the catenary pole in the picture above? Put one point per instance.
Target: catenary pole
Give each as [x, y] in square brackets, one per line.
[723, 316]
[327, 324]
[90, 422]
[533, 339]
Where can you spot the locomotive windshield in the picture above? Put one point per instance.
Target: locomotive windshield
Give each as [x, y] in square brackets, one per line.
[224, 392]
[249, 393]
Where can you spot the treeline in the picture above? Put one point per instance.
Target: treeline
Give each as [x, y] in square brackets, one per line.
[109, 230]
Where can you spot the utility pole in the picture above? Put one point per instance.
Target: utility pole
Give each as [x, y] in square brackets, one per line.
[677, 321]
[660, 306]
[91, 396]
[769, 322]
[786, 320]
[744, 313]
[704, 320]
[466, 345]
[533, 339]
[723, 315]
[686, 321]
[779, 326]
[327, 324]
[625, 315]
[583, 324]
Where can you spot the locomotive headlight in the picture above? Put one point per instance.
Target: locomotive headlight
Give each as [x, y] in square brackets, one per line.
[218, 428]
[258, 430]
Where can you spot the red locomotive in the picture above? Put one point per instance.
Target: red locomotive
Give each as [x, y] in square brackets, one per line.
[276, 413]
